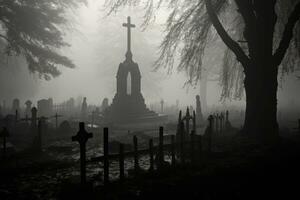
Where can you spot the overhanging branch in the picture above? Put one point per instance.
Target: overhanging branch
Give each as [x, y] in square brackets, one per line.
[232, 45]
[286, 36]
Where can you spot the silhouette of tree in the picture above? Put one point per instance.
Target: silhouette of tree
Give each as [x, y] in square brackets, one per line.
[35, 30]
[259, 34]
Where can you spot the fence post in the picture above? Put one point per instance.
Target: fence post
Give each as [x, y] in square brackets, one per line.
[161, 147]
[200, 147]
[182, 140]
[221, 122]
[299, 125]
[173, 161]
[136, 156]
[39, 136]
[192, 147]
[217, 123]
[194, 122]
[121, 162]
[187, 122]
[105, 152]
[211, 120]
[151, 155]
[4, 133]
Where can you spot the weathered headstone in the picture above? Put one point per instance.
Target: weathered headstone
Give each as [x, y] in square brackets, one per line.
[82, 137]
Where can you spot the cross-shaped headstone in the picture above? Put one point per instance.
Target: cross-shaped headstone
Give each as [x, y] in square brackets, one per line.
[4, 134]
[128, 25]
[82, 137]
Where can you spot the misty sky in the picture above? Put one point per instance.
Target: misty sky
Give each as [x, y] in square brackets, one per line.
[98, 46]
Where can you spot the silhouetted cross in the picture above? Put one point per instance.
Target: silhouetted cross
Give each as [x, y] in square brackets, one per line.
[82, 137]
[128, 25]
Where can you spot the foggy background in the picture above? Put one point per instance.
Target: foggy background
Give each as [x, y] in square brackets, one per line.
[98, 46]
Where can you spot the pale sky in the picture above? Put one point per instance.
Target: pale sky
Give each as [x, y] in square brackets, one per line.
[98, 46]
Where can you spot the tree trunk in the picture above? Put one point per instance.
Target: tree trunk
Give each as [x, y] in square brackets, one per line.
[261, 102]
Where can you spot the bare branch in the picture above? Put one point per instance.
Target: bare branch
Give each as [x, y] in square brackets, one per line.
[232, 45]
[287, 36]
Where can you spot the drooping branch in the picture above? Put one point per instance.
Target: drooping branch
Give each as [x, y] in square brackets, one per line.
[287, 35]
[232, 45]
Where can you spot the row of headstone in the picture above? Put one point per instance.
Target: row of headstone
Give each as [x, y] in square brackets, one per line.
[220, 122]
[45, 107]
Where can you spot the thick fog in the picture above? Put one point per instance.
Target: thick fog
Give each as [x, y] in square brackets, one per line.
[98, 45]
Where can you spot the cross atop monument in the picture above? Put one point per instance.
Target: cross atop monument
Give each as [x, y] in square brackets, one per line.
[128, 25]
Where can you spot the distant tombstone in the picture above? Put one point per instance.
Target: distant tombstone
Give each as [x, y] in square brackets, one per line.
[44, 107]
[199, 111]
[84, 110]
[15, 105]
[65, 127]
[104, 105]
[28, 105]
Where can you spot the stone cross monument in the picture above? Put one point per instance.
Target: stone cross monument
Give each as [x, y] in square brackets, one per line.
[127, 106]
